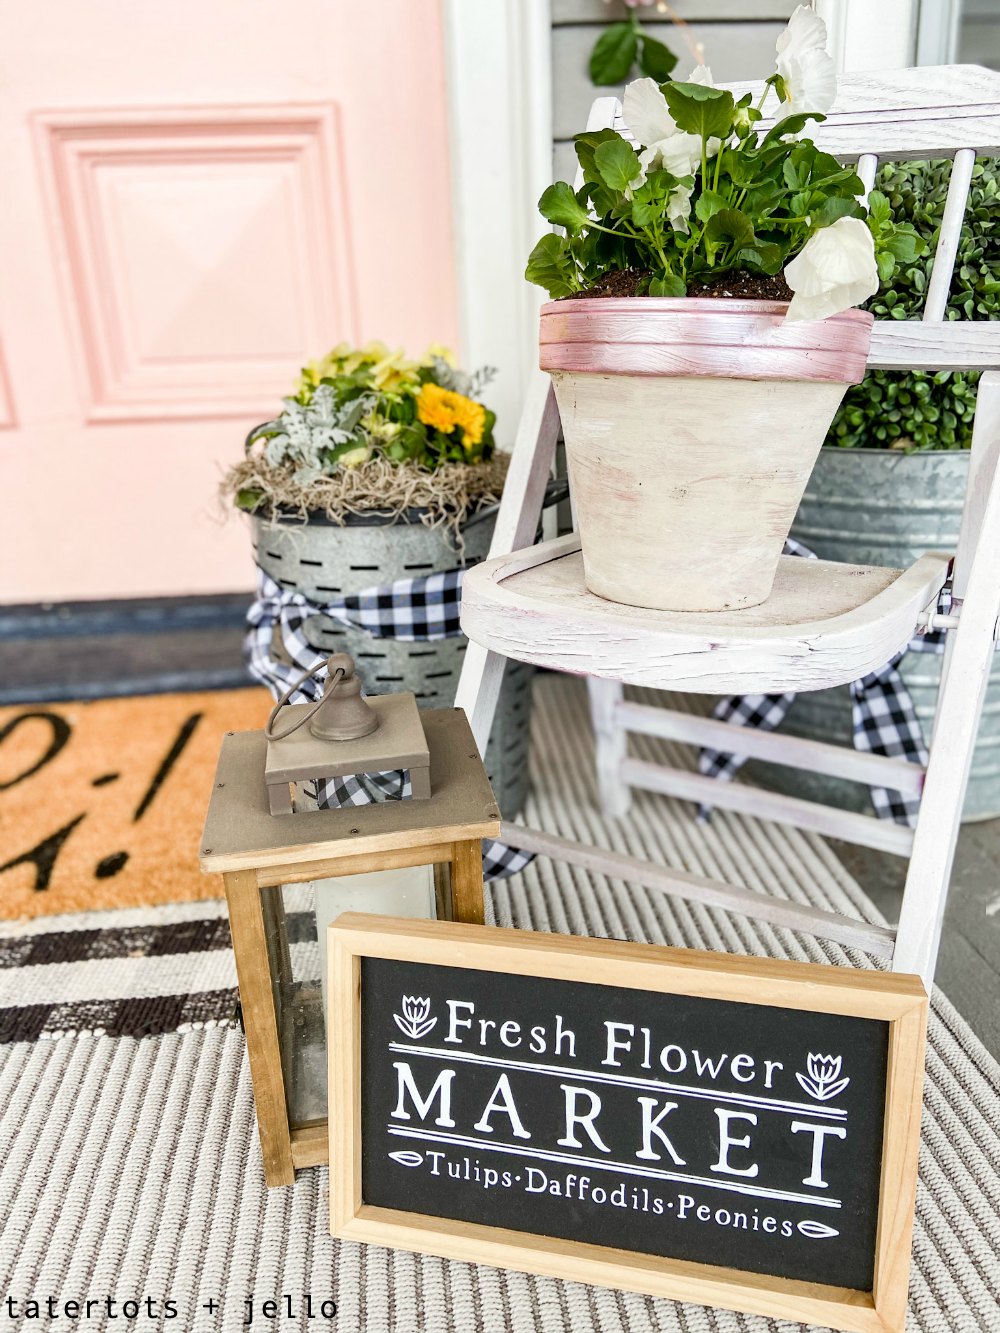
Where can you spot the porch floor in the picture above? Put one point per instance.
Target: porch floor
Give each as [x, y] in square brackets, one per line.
[93, 650]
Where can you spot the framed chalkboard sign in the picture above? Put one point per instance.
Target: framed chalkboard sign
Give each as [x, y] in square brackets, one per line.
[739, 1132]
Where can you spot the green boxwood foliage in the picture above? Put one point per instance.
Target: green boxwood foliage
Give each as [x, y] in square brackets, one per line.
[923, 410]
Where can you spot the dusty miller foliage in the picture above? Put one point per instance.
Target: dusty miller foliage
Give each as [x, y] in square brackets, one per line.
[306, 435]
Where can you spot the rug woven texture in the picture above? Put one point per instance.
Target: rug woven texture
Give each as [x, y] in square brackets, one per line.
[129, 1164]
[102, 803]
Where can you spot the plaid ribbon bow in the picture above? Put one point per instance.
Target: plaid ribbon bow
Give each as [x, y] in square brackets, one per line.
[883, 718]
[413, 610]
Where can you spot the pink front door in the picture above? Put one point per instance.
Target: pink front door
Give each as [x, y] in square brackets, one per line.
[197, 199]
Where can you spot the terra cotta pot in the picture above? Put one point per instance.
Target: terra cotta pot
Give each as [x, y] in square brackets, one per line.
[691, 428]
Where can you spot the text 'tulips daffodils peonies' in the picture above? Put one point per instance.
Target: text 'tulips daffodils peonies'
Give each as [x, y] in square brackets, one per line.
[694, 194]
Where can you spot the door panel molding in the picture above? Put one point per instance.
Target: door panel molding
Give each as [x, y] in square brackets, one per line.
[8, 417]
[499, 82]
[180, 231]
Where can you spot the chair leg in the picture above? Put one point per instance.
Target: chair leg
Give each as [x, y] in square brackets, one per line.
[936, 834]
[517, 523]
[610, 746]
[479, 690]
[960, 705]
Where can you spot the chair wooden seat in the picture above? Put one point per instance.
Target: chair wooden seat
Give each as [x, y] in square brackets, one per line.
[824, 624]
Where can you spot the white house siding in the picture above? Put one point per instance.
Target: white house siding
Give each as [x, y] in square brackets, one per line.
[737, 37]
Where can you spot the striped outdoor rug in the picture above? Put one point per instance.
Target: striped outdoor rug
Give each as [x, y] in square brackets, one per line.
[129, 1166]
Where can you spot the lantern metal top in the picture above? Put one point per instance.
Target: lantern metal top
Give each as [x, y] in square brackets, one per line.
[340, 714]
[241, 834]
[397, 741]
[342, 733]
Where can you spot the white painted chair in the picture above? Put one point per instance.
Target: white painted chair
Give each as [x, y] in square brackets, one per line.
[825, 624]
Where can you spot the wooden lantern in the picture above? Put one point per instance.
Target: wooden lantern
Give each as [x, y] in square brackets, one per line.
[289, 870]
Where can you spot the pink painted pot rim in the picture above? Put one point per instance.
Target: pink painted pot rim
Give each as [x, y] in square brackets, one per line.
[701, 336]
[640, 306]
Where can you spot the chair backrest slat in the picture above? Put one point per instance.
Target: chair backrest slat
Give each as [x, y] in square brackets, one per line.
[936, 302]
[910, 344]
[867, 167]
[983, 462]
[934, 111]
[930, 111]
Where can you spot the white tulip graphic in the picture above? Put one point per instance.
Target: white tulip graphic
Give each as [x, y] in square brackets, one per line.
[415, 1022]
[823, 1080]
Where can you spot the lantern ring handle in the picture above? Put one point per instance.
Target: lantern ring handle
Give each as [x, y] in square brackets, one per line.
[269, 732]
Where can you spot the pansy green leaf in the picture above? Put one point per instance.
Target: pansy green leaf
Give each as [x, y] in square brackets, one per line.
[656, 60]
[697, 109]
[886, 265]
[729, 224]
[613, 54]
[551, 266]
[560, 206]
[767, 257]
[835, 207]
[708, 203]
[793, 124]
[905, 245]
[585, 146]
[667, 284]
[617, 163]
[878, 207]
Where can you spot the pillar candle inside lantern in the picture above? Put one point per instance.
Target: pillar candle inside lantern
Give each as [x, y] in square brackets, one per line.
[406, 892]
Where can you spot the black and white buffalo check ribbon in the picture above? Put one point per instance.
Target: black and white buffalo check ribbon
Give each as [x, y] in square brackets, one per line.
[413, 610]
[883, 718]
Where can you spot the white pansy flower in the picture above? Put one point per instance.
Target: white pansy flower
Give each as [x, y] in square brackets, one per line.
[645, 112]
[833, 271]
[701, 74]
[805, 65]
[680, 154]
[679, 207]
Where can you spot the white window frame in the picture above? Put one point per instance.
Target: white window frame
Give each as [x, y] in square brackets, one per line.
[872, 34]
[499, 70]
[937, 32]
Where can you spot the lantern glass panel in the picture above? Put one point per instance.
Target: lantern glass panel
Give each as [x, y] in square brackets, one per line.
[296, 917]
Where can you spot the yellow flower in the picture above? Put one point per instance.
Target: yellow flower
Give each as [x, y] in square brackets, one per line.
[438, 350]
[471, 417]
[444, 410]
[389, 369]
[393, 371]
[355, 457]
[368, 355]
[377, 428]
[314, 371]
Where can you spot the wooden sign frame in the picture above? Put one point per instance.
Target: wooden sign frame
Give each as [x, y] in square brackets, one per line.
[897, 999]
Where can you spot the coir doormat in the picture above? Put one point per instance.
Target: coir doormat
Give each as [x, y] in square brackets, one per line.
[102, 804]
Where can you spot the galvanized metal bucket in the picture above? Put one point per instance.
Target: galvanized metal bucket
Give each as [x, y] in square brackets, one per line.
[878, 507]
[324, 560]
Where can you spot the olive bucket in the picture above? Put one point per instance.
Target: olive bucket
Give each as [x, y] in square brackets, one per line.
[325, 560]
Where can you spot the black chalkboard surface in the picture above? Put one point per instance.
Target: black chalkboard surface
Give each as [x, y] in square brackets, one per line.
[666, 1124]
[681, 1119]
